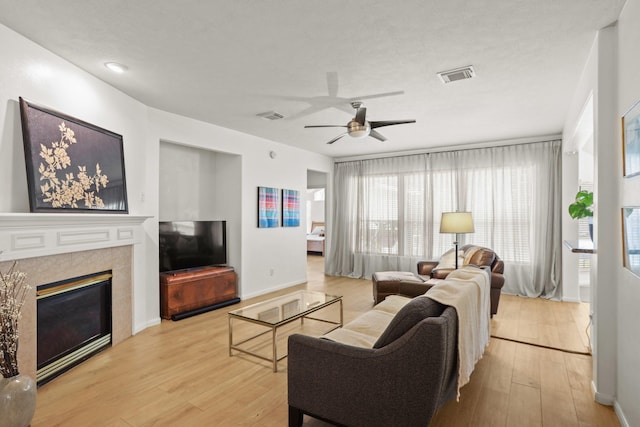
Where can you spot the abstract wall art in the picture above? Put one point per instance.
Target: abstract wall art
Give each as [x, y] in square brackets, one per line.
[268, 207]
[290, 208]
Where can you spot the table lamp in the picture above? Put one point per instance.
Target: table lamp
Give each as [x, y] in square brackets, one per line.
[456, 223]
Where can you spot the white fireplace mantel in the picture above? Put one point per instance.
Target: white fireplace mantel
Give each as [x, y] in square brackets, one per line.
[28, 235]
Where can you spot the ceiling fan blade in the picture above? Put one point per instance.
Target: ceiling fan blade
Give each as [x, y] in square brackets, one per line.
[332, 83]
[307, 111]
[378, 95]
[361, 113]
[336, 138]
[325, 126]
[382, 123]
[375, 134]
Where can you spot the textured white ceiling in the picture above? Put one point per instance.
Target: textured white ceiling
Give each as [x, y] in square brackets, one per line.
[225, 61]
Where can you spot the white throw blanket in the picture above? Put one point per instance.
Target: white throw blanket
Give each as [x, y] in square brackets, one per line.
[468, 291]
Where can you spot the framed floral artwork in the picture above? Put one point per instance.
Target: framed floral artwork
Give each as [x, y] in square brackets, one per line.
[268, 207]
[631, 141]
[72, 165]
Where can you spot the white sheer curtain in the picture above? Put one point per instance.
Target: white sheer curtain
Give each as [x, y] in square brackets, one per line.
[387, 212]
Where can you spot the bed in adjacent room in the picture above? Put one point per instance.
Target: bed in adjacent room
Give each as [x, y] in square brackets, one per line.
[315, 239]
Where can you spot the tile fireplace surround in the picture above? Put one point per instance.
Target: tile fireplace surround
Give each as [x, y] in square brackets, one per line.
[54, 247]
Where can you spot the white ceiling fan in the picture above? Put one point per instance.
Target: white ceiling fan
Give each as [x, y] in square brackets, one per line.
[331, 99]
[359, 127]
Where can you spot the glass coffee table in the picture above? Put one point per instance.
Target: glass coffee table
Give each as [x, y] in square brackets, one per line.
[280, 311]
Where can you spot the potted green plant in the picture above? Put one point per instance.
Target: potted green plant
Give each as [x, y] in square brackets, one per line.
[583, 208]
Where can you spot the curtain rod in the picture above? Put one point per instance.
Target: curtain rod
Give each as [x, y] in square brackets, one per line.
[463, 147]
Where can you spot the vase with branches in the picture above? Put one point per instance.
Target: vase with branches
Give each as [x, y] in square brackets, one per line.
[17, 391]
[13, 291]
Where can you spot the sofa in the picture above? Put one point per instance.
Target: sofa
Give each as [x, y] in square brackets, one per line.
[430, 273]
[393, 365]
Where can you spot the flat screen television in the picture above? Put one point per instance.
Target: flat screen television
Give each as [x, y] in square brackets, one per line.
[191, 244]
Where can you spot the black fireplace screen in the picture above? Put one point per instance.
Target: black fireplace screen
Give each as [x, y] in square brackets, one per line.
[74, 322]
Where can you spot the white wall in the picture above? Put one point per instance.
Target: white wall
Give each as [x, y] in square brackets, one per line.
[606, 223]
[201, 184]
[272, 258]
[611, 74]
[43, 78]
[628, 285]
[228, 205]
[34, 73]
[572, 138]
[596, 82]
[187, 183]
[316, 179]
[570, 288]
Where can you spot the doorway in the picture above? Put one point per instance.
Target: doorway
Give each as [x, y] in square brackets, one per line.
[316, 217]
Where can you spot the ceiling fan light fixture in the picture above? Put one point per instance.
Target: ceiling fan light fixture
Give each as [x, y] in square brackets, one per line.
[356, 130]
[359, 127]
[359, 134]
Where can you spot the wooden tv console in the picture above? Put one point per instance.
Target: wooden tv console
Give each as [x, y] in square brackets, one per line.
[184, 293]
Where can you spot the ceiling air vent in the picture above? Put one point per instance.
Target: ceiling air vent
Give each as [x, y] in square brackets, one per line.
[270, 115]
[457, 74]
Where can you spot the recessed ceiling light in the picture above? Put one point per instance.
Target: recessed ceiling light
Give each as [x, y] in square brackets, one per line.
[116, 67]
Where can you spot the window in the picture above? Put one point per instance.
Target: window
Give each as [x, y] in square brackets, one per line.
[379, 224]
[420, 198]
[387, 211]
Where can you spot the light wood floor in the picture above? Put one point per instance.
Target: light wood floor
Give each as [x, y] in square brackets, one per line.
[180, 374]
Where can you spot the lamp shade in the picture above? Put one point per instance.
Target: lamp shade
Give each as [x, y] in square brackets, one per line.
[456, 222]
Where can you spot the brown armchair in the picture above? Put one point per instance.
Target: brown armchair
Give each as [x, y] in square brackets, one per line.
[430, 272]
[472, 255]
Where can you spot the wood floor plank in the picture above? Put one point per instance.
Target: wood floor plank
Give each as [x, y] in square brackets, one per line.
[501, 355]
[180, 373]
[525, 407]
[491, 409]
[526, 366]
[458, 413]
[557, 402]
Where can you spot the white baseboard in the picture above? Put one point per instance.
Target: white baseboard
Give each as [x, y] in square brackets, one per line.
[272, 289]
[620, 414]
[601, 398]
[142, 326]
[566, 299]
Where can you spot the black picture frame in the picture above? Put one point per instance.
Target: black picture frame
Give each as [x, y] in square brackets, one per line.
[72, 165]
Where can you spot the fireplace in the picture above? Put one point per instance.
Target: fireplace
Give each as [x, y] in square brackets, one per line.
[73, 322]
[54, 247]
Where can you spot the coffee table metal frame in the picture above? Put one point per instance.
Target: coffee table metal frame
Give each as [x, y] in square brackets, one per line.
[273, 327]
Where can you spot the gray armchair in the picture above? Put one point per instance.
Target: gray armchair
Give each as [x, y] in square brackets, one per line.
[408, 374]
